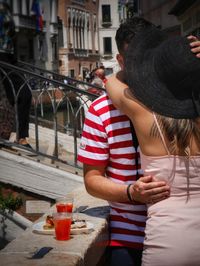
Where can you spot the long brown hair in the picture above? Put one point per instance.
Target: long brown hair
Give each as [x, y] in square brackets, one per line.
[179, 133]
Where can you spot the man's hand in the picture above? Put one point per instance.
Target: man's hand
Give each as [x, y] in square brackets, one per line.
[195, 45]
[149, 190]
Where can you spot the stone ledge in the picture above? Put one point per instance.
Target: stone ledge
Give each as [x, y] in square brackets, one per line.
[82, 249]
[36, 177]
[13, 259]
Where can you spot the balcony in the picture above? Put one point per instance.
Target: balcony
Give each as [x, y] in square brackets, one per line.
[106, 23]
[78, 52]
[81, 53]
[107, 55]
[27, 22]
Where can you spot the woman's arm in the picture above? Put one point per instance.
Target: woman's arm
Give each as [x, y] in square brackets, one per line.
[116, 88]
[122, 96]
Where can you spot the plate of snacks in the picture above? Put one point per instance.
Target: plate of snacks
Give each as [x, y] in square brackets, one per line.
[81, 226]
[77, 227]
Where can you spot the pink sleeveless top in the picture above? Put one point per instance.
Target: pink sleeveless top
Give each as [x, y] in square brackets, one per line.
[172, 234]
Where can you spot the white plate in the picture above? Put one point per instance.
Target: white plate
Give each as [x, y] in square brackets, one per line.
[38, 228]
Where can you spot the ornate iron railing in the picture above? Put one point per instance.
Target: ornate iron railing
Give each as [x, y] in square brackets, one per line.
[51, 94]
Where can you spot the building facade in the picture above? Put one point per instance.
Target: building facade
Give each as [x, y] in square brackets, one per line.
[188, 14]
[75, 36]
[79, 41]
[36, 32]
[157, 12]
[111, 14]
[108, 24]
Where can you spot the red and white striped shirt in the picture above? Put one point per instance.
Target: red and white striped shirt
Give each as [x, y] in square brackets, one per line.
[107, 141]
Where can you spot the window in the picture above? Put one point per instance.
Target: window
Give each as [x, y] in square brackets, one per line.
[20, 7]
[28, 7]
[136, 6]
[60, 33]
[72, 73]
[106, 17]
[40, 48]
[10, 3]
[54, 50]
[108, 71]
[107, 45]
[31, 49]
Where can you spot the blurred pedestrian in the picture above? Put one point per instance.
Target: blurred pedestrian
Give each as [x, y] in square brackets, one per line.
[97, 82]
[16, 89]
[100, 72]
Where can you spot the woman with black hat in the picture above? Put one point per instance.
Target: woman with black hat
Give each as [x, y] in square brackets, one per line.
[163, 102]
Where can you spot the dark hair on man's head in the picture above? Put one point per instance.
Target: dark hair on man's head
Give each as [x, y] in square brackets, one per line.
[128, 30]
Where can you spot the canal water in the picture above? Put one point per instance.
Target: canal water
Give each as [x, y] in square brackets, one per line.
[66, 118]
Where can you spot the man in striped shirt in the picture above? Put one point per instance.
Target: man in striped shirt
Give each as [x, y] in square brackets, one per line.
[109, 158]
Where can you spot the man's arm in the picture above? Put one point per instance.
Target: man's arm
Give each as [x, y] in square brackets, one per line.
[144, 190]
[98, 185]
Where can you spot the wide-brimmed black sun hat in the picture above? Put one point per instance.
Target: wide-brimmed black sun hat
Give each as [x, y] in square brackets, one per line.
[163, 74]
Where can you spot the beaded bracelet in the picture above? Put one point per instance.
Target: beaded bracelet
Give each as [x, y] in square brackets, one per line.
[128, 192]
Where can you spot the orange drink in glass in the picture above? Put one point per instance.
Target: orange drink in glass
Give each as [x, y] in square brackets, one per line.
[62, 224]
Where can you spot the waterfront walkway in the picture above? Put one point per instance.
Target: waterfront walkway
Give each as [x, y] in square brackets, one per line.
[66, 148]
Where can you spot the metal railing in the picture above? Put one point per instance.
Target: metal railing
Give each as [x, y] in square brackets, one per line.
[52, 94]
[106, 22]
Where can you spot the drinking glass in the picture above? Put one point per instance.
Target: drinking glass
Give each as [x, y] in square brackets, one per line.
[62, 223]
[64, 204]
